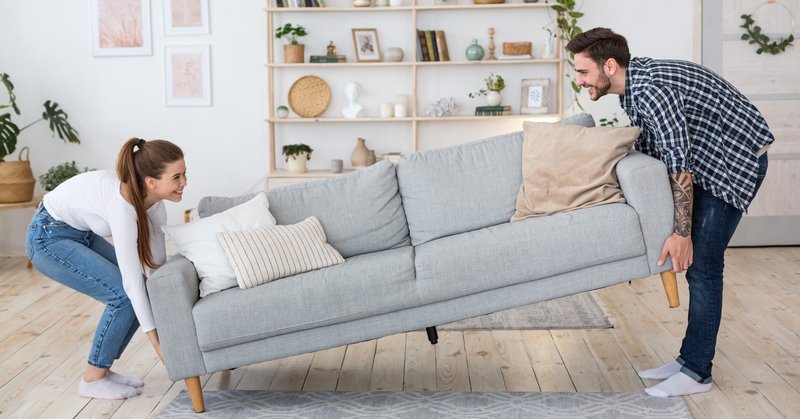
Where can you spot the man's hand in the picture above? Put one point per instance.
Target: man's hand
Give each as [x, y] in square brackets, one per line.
[679, 248]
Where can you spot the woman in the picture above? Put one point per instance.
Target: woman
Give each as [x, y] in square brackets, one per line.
[65, 242]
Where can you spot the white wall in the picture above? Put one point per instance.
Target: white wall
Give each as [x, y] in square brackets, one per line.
[46, 49]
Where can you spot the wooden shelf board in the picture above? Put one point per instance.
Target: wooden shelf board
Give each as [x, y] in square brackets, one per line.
[348, 64]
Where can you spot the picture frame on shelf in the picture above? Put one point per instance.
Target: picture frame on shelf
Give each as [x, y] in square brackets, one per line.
[186, 17]
[120, 28]
[366, 45]
[535, 96]
[187, 76]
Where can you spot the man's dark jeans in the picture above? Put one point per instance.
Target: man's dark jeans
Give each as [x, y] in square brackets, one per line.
[713, 225]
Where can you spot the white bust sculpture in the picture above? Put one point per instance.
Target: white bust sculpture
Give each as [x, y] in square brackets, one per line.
[353, 108]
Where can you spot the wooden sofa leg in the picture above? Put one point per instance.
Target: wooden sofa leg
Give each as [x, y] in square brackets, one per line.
[196, 394]
[671, 288]
[433, 336]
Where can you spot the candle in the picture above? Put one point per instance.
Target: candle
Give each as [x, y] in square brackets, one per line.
[387, 110]
[400, 110]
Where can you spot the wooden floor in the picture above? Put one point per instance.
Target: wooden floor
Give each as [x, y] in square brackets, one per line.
[46, 329]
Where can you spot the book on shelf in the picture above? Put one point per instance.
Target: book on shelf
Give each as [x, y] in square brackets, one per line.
[327, 59]
[493, 110]
[299, 3]
[431, 46]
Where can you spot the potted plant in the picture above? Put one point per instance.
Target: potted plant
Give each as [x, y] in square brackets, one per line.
[293, 52]
[16, 178]
[494, 85]
[56, 175]
[297, 157]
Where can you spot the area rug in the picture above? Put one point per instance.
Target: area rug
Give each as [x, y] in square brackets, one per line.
[422, 405]
[578, 311]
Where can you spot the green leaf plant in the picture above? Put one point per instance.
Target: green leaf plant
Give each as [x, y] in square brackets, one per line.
[9, 131]
[754, 36]
[493, 83]
[59, 173]
[567, 28]
[290, 33]
[292, 150]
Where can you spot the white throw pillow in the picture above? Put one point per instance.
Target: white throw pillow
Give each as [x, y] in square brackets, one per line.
[198, 241]
[268, 253]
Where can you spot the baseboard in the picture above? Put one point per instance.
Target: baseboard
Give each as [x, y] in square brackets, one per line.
[767, 231]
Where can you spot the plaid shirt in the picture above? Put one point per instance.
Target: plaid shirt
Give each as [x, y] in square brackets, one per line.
[696, 122]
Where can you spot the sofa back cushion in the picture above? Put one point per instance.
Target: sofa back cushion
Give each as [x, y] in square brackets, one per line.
[361, 211]
[460, 188]
[465, 187]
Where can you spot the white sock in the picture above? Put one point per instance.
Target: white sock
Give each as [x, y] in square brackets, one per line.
[122, 379]
[663, 372]
[106, 389]
[679, 384]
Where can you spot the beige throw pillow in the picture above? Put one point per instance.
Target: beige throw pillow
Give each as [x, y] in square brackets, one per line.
[265, 254]
[566, 167]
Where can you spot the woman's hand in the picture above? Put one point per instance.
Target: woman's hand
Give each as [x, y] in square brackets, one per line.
[153, 336]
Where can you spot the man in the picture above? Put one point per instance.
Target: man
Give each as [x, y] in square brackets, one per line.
[713, 142]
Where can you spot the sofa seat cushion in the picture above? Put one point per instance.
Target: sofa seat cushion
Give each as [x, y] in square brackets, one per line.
[527, 250]
[362, 286]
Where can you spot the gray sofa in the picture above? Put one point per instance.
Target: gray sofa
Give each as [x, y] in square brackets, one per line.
[425, 242]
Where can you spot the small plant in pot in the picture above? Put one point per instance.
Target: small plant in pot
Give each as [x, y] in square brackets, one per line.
[297, 157]
[56, 175]
[293, 51]
[494, 85]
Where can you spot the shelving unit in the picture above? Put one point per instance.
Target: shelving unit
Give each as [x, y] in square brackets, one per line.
[416, 117]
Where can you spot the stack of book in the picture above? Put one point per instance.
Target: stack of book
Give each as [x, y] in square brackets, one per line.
[493, 110]
[431, 46]
[300, 3]
[327, 59]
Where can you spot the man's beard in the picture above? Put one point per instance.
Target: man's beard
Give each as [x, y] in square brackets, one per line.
[601, 88]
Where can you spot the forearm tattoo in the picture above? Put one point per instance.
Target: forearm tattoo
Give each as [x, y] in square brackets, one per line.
[683, 197]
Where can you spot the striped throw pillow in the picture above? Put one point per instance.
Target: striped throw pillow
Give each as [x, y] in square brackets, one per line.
[264, 254]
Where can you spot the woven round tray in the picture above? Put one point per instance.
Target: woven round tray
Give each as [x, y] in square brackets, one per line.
[488, 1]
[309, 96]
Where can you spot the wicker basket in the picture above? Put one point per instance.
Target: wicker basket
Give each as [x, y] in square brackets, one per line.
[517, 48]
[16, 180]
[309, 96]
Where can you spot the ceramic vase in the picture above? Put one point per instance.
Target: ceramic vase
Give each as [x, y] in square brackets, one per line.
[298, 163]
[360, 156]
[493, 98]
[474, 52]
[393, 54]
[548, 49]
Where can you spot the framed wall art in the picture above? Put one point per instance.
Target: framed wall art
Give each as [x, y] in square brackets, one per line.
[187, 75]
[120, 27]
[365, 42]
[186, 17]
[535, 96]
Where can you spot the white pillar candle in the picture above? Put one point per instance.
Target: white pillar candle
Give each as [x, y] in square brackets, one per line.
[400, 110]
[387, 110]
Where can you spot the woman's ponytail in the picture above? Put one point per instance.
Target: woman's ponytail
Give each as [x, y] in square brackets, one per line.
[137, 160]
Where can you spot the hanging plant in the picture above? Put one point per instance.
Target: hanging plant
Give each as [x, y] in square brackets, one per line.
[566, 29]
[754, 36]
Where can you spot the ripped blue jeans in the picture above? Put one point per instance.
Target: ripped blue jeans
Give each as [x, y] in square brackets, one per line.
[713, 224]
[86, 263]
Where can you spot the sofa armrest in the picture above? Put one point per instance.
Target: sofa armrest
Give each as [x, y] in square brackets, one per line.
[173, 290]
[645, 185]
